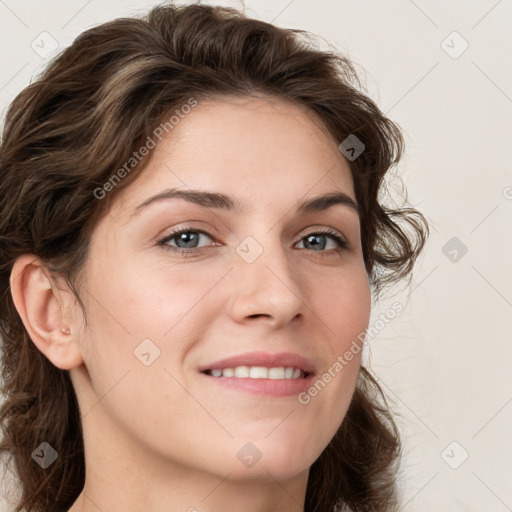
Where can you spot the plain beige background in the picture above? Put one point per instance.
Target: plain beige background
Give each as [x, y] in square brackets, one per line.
[442, 71]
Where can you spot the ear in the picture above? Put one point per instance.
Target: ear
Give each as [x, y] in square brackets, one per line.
[44, 310]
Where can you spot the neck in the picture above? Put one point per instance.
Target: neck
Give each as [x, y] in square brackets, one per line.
[123, 475]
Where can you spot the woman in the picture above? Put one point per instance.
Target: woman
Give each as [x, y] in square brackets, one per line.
[190, 236]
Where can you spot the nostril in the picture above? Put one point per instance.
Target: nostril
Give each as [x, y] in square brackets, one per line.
[257, 315]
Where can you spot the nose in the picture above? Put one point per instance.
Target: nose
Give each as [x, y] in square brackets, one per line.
[268, 288]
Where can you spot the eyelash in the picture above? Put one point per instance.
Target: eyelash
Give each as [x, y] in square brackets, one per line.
[341, 242]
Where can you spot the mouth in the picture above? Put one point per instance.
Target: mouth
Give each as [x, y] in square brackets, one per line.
[271, 375]
[259, 372]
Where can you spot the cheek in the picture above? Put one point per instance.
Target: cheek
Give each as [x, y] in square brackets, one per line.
[345, 310]
[128, 306]
[151, 298]
[344, 314]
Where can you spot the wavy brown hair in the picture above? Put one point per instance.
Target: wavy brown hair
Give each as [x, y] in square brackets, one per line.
[70, 130]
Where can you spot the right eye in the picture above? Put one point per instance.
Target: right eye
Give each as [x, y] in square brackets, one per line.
[186, 240]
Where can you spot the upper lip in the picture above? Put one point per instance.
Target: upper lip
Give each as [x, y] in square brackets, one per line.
[269, 360]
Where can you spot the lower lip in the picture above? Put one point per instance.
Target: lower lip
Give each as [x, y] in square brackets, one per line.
[264, 387]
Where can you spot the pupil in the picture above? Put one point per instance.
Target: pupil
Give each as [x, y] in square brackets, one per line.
[312, 237]
[186, 237]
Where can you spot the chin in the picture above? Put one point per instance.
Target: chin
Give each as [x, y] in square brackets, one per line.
[282, 458]
[269, 471]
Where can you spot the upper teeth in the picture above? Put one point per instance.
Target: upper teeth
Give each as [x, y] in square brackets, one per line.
[258, 372]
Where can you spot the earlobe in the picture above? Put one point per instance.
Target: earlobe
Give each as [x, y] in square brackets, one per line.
[40, 305]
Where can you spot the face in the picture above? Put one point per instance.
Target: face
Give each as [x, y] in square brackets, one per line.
[174, 286]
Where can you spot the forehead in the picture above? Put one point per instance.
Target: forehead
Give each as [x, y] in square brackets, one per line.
[258, 149]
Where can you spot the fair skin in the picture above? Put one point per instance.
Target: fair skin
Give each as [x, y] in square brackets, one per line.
[165, 437]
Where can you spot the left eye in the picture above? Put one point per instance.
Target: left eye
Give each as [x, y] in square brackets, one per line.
[315, 240]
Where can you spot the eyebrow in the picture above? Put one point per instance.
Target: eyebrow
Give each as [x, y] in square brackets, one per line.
[225, 202]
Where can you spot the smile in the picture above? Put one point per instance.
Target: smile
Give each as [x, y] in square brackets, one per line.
[258, 372]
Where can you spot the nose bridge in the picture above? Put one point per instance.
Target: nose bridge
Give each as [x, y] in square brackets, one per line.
[265, 281]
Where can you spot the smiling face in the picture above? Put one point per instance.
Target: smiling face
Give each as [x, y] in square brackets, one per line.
[253, 271]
